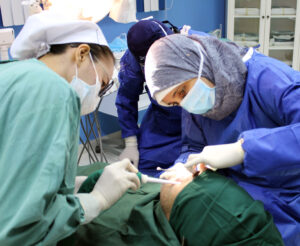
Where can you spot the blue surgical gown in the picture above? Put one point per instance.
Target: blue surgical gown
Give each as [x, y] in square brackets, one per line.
[268, 120]
[159, 135]
[39, 119]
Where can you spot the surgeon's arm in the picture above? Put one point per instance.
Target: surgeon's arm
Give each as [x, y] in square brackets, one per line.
[39, 163]
[274, 152]
[192, 137]
[131, 86]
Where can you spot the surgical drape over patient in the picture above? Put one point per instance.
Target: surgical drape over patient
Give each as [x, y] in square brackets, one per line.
[199, 212]
[213, 210]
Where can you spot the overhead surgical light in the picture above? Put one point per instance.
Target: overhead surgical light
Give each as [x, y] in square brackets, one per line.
[123, 11]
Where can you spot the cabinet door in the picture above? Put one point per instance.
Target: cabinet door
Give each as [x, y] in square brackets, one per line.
[282, 34]
[245, 22]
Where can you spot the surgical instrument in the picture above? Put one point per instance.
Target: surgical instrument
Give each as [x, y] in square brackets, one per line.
[146, 179]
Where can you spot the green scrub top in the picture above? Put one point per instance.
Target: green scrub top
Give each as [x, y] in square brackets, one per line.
[39, 119]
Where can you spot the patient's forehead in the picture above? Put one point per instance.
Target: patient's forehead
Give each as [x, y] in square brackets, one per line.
[169, 193]
[173, 190]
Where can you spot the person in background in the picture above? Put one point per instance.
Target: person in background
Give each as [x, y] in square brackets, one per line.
[241, 114]
[63, 67]
[157, 141]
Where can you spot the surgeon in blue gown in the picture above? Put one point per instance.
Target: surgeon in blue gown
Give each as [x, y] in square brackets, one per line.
[157, 142]
[241, 115]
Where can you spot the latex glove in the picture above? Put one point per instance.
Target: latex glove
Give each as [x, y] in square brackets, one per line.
[78, 182]
[178, 170]
[131, 151]
[219, 156]
[115, 180]
[185, 30]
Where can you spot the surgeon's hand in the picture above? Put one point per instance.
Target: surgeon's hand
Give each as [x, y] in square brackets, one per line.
[131, 150]
[179, 171]
[219, 156]
[115, 180]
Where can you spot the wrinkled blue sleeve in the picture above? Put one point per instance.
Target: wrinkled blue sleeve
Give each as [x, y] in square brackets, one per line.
[194, 32]
[193, 140]
[278, 148]
[131, 81]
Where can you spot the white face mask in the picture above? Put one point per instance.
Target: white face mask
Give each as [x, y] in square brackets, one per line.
[89, 94]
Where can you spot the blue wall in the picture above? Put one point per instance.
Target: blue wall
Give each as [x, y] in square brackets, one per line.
[201, 15]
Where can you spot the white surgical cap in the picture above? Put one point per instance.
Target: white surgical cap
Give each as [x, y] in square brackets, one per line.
[47, 28]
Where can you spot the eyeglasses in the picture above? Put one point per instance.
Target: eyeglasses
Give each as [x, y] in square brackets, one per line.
[106, 88]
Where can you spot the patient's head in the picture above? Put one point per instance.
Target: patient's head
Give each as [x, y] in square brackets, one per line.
[168, 192]
[210, 209]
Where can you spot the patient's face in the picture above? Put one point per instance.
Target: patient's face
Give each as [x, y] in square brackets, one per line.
[169, 192]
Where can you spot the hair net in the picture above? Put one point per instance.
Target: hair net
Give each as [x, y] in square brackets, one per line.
[47, 28]
[214, 210]
[176, 58]
[143, 34]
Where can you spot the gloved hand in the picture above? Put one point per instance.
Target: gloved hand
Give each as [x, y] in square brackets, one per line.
[219, 156]
[185, 30]
[115, 180]
[131, 151]
[178, 170]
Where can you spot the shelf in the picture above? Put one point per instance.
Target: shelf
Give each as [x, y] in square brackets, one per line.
[274, 23]
[284, 16]
[246, 16]
[281, 47]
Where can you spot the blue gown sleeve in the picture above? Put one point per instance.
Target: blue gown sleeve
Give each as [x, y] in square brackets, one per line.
[131, 80]
[194, 32]
[193, 140]
[274, 152]
[38, 158]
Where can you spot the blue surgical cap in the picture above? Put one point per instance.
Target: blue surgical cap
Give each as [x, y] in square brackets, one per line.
[143, 34]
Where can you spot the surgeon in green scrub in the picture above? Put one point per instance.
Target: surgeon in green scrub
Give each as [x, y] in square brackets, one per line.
[62, 67]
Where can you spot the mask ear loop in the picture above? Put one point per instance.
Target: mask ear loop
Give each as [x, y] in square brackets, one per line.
[76, 71]
[201, 51]
[97, 77]
[201, 64]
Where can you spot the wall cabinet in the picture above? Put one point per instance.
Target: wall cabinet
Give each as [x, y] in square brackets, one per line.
[272, 24]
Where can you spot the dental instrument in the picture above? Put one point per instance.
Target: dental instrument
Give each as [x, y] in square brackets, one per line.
[146, 179]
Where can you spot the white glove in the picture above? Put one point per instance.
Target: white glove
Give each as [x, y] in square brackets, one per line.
[185, 30]
[178, 170]
[131, 151]
[115, 180]
[219, 156]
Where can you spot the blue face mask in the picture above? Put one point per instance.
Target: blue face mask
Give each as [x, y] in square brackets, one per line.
[200, 98]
